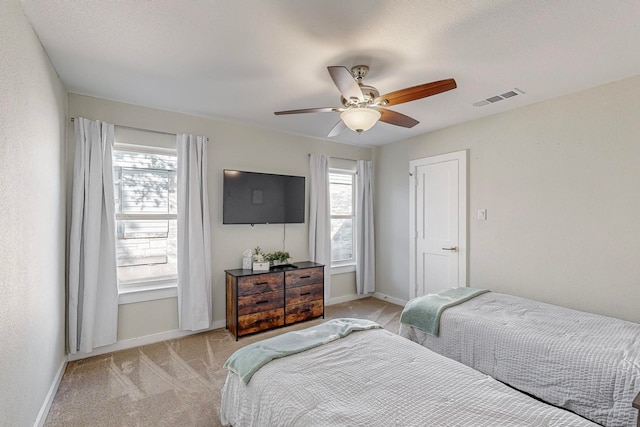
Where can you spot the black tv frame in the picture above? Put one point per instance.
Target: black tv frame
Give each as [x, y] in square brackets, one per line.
[263, 198]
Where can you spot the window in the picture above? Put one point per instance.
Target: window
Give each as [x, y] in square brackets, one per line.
[145, 182]
[343, 217]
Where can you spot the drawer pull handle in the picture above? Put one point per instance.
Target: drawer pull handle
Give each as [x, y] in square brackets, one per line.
[262, 302]
[304, 277]
[306, 310]
[261, 283]
[305, 293]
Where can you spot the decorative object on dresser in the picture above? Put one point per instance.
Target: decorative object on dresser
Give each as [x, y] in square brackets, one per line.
[259, 301]
[264, 261]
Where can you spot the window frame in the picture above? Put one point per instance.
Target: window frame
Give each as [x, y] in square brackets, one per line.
[343, 266]
[150, 288]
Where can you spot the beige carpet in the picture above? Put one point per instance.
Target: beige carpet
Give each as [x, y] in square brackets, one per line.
[172, 383]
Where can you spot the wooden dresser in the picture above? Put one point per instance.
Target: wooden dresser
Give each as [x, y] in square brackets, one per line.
[262, 300]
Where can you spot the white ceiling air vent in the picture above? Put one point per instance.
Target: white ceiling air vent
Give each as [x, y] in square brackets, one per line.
[496, 98]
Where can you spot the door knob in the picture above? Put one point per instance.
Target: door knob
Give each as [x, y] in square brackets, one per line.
[453, 249]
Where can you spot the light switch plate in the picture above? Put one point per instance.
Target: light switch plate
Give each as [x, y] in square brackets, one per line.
[482, 214]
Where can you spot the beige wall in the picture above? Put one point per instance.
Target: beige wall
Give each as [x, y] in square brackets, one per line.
[560, 183]
[343, 285]
[32, 227]
[231, 146]
[142, 318]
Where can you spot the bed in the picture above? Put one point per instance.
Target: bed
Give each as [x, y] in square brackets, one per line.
[587, 363]
[376, 378]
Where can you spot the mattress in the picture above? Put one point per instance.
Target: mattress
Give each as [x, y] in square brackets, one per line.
[376, 378]
[587, 363]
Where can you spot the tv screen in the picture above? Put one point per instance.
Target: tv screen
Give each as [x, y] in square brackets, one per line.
[262, 198]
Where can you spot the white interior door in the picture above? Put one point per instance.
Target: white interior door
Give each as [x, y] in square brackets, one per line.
[438, 223]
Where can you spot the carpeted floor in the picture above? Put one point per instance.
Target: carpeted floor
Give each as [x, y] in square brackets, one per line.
[172, 383]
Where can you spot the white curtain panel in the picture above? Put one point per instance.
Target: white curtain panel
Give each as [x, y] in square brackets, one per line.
[93, 282]
[365, 240]
[194, 235]
[320, 217]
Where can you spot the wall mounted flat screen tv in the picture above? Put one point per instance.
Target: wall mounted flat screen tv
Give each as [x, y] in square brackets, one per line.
[262, 198]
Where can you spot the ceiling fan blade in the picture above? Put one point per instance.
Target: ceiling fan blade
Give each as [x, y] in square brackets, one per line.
[395, 118]
[345, 82]
[415, 92]
[337, 129]
[309, 110]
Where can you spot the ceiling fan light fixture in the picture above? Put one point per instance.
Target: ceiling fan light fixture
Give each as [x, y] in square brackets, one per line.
[360, 119]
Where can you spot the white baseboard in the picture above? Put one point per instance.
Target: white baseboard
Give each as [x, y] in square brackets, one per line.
[46, 405]
[169, 335]
[377, 295]
[148, 339]
[346, 298]
[387, 298]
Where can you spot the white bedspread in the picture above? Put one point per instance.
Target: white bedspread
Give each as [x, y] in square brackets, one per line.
[584, 362]
[376, 378]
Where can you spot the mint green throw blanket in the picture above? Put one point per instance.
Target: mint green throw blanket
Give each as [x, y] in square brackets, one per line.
[424, 312]
[247, 360]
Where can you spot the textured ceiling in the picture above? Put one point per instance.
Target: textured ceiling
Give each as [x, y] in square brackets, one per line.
[242, 60]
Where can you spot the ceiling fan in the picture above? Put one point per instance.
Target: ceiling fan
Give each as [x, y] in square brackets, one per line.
[362, 104]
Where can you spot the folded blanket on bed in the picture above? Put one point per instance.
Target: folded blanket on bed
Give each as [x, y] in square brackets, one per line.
[424, 312]
[247, 360]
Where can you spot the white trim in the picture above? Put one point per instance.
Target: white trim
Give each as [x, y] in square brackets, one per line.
[387, 298]
[342, 269]
[377, 295]
[412, 228]
[344, 171]
[461, 157]
[353, 216]
[169, 335]
[48, 400]
[146, 217]
[148, 339]
[149, 149]
[133, 295]
[345, 298]
[148, 288]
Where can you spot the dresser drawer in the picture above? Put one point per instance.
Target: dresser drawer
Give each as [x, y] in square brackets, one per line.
[256, 322]
[304, 311]
[300, 294]
[307, 276]
[260, 283]
[260, 302]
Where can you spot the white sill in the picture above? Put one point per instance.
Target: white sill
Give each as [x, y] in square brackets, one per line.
[147, 293]
[341, 269]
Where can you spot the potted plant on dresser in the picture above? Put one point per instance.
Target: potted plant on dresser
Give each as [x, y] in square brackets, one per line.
[278, 258]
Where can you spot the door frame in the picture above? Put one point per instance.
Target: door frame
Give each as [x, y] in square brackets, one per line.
[461, 157]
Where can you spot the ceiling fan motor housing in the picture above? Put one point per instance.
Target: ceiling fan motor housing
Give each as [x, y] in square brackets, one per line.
[368, 92]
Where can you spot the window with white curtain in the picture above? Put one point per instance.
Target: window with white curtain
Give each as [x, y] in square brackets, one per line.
[145, 183]
[343, 217]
